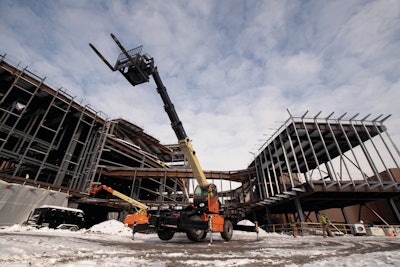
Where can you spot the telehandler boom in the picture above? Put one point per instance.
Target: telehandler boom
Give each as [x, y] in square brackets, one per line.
[139, 217]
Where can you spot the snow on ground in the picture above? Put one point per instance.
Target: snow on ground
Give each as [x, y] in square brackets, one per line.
[111, 227]
[110, 244]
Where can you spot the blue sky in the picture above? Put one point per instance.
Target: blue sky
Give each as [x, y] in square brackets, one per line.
[232, 68]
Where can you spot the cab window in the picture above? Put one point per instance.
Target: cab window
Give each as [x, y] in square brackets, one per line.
[200, 192]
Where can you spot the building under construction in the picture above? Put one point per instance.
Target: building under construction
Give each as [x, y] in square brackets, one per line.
[310, 164]
[318, 163]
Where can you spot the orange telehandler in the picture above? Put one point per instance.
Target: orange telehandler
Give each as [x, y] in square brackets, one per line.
[205, 215]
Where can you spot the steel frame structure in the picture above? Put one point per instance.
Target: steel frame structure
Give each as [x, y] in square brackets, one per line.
[316, 163]
[308, 164]
[48, 139]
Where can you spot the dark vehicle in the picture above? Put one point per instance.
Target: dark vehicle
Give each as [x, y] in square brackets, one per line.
[57, 217]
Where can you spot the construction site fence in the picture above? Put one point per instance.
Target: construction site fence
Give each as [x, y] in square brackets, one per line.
[308, 228]
[18, 201]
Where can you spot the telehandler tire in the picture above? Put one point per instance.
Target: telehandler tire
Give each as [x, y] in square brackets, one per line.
[195, 235]
[228, 230]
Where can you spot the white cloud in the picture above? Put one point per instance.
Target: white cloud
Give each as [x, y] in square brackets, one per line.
[231, 67]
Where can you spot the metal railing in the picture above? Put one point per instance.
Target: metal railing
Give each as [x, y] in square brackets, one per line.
[307, 228]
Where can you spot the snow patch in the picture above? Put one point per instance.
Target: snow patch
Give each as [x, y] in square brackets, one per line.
[261, 232]
[111, 227]
[16, 228]
[246, 223]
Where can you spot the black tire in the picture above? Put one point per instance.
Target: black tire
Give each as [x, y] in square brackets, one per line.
[195, 235]
[165, 234]
[228, 230]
